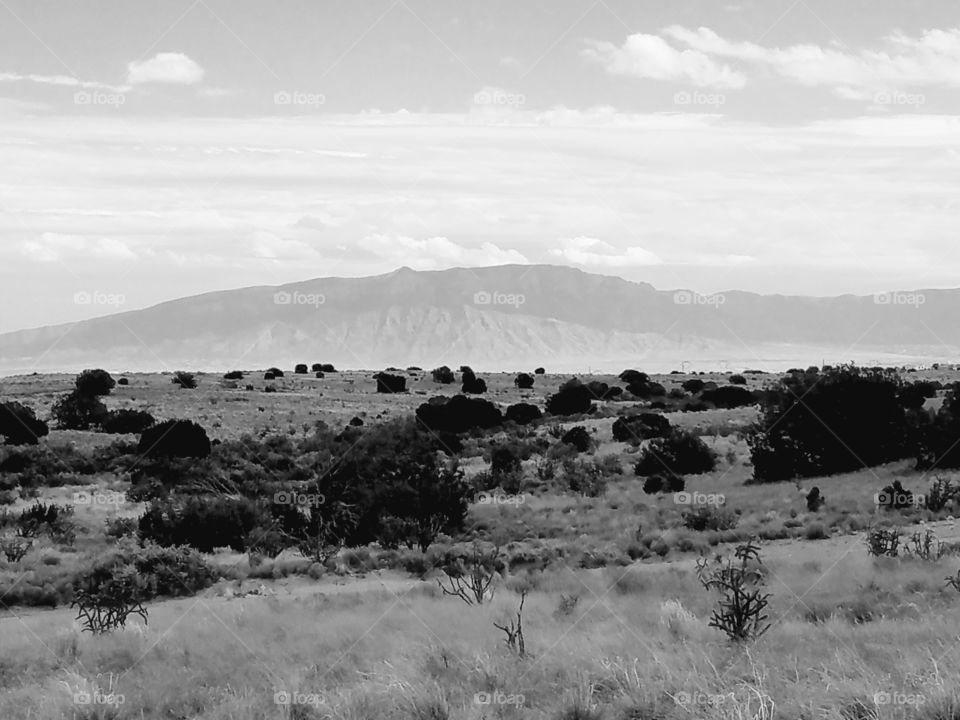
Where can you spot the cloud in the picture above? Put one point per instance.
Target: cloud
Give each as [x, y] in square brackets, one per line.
[52, 247]
[168, 68]
[652, 58]
[592, 251]
[436, 252]
[63, 81]
[904, 62]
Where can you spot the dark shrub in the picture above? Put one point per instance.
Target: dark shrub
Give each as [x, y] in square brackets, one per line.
[523, 413]
[602, 391]
[300, 369]
[201, 523]
[737, 380]
[895, 497]
[634, 377]
[729, 396]
[936, 445]
[472, 384]
[653, 484]
[174, 438]
[841, 420]
[578, 437]
[539, 371]
[276, 372]
[19, 425]
[328, 368]
[387, 383]
[76, 411]
[523, 381]
[679, 453]
[458, 414]
[504, 460]
[815, 500]
[269, 376]
[356, 422]
[233, 375]
[185, 380]
[572, 398]
[122, 422]
[316, 367]
[693, 385]
[94, 383]
[123, 381]
[633, 428]
[443, 375]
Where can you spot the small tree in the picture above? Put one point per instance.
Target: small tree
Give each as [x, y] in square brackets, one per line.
[387, 383]
[175, 438]
[78, 411]
[740, 611]
[19, 425]
[300, 369]
[107, 594]
[94, 383]
[578, 437]
[539, 371]
[523, 381]
[572, 398]
[442, 375]
[185, 380]
[472, 578]
[123, 422]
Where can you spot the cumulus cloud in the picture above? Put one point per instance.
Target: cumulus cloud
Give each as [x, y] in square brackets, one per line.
[651, 57]
[167, 68]
[593, 251]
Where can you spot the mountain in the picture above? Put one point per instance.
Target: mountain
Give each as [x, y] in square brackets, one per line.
[497, 318]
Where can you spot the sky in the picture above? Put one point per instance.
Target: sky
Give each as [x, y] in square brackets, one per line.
[150, 151]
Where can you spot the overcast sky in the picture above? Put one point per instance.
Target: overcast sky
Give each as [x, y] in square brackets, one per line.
[154, 150]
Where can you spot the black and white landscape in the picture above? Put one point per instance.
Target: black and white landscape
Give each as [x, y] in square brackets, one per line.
[422, 360]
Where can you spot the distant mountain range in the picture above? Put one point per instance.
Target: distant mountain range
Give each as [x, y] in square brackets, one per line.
[507, 317]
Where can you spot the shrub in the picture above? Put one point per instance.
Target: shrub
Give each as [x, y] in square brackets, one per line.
[504, 460]
[442, 375]
[327, 368]
[201, 523]
[634, 428]
[693, 386]
[123, 381]
[94, 383]
[602, 391]
[458, 414]
[711, 517]
[742, 600]
[837, 421]
[523, 413]
[937, 446]
[186, 381]
[387, 383]
[19, 425]
[300, 369]
[729, 396]
[539, 371]
[572, 398]
[632, 377]
[894, 497]
[883, 542]
[472, 384]
[523, 381]
[77, 411]
[233, 375]
[174, 438]
[578, 437]
[815, 500]
[737, 380]
[584, 477]
[276, 372]
[679, 453]
[127, 422]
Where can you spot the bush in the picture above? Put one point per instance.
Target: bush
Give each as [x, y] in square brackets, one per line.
[442, 375]
[233, 375]
[523, 413]
[19, 425]
[174, 438]
[634, 377]
[472, 384]
[458, 414]
[387, 383]
[937, 445]
[77, 411]
[737, 380]
[572, 398]
[729, 397]
[94, 383]
[711, 517]
[201, 523]
[123, 381]
[523, 381]
[584, 477]
[276, 372]
[634, 428]
[539, 371]
[679, 453]
[815, 500]
[185, 380]
[127, 422]
[838, 421]
[327, 368]
[693, 386]
[578, 437]
[504, 460]
[300, 369]
[740, 583]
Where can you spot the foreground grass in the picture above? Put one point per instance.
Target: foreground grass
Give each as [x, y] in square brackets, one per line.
[851, 638]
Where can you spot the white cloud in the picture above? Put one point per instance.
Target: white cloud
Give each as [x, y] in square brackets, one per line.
[437, 252]
[52, 247]
[168, 68]
[592, 251]
[650, 57]
[63, 81]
